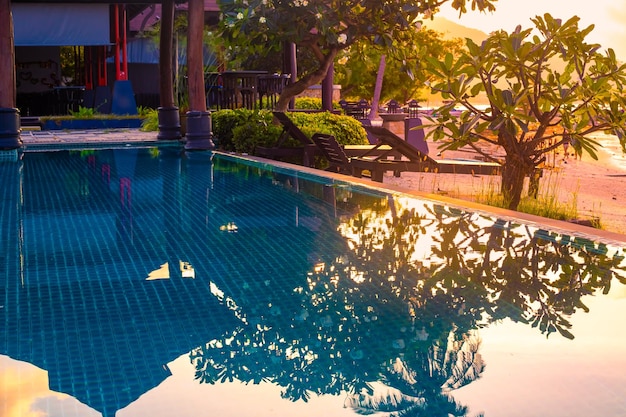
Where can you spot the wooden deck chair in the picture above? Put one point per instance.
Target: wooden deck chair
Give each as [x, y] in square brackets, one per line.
[443, 166]
[306, 151]
[290, 129]
[337, 159]
[340, 162]
[405, 149]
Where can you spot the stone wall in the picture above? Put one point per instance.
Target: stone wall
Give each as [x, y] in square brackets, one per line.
[315, 91]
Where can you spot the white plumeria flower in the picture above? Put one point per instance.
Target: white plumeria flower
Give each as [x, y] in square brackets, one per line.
[262, 20]
[342, 38]
[239, 16]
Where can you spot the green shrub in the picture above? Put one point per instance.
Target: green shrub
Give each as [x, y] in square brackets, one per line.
[308, 103]
[150, 122]
[225, 121]
[240, 130]
[311, 103]
[83, 113]
[250, 135]
[347, 130]
[144, 111]
[260, 129]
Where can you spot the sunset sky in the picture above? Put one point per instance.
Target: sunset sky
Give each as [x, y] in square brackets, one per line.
[608, 16]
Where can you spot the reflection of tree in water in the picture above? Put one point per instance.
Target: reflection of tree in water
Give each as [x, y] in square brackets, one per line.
[398, 299]
[528, 275]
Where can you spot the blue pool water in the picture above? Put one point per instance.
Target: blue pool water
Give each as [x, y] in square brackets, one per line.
[150, 282]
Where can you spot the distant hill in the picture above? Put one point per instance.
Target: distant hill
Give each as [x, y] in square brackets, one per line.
[451, 29]
[454, 30]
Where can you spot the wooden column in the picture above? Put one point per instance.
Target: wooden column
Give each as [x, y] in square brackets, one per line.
[168, 113]
[10, 124]
[195, 64]
[327, 89]
[166, 63]
[198, 133]
[7, 54]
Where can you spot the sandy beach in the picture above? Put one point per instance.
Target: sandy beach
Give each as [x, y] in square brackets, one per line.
[596, 187]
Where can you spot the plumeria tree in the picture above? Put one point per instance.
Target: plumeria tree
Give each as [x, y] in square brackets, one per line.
[325, 27]
[403, 78]
[544, 86]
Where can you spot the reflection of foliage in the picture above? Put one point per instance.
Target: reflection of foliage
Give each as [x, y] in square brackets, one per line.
[529, 275]
[396, 297]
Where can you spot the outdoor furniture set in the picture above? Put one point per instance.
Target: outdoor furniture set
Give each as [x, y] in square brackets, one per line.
[389, 153]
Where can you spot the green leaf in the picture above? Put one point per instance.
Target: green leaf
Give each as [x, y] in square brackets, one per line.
[476, 89]
[448, 61]
[523, 125]
[507, 97]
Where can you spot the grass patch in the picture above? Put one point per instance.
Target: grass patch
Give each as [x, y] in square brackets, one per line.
[547, 204]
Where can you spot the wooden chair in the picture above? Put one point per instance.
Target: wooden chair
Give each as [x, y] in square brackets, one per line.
[442, 166]
[337, 159]
[405, 149]
[306, 151]
[340, 162]
[349, 159]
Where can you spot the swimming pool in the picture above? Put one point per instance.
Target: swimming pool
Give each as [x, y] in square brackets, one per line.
[151, 282]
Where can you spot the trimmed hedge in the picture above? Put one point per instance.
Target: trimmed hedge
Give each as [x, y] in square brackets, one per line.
[241, 130]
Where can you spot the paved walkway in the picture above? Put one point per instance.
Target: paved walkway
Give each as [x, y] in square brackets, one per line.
[66, 137]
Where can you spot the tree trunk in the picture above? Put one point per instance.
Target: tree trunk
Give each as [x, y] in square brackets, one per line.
[513, 173]
[195, 64]
[533, 183]
[7, 62]
[315, 77]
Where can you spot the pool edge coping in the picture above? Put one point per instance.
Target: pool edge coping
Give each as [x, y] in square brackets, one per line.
[561, 226]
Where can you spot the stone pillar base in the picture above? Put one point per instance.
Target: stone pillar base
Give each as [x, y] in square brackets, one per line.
[199, 134]
[394, 122]
[10, 128]
[169, 123]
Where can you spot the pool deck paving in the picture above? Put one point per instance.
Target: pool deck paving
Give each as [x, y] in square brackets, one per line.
[100, 137]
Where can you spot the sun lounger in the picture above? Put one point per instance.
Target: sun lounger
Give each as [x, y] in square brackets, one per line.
[307, 149]
[340, 162]
[444, 166]
[408, 151]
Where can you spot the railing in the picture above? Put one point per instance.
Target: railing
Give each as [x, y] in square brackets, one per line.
[357, 109]
[270, 87]
[244, 89]
[55, 101]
